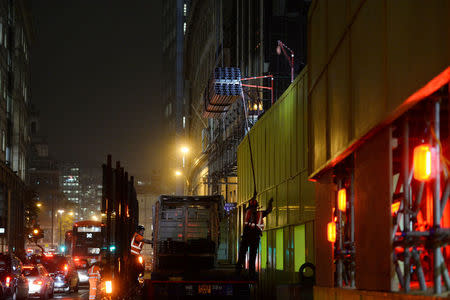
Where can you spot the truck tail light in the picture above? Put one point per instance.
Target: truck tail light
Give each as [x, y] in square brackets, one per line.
[424, 161]
[331, 232]
[342, 200]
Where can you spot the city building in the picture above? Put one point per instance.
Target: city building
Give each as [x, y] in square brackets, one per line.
[43, 180]
[174, 13]
[91, 195]
[16, 36]
[70, 183]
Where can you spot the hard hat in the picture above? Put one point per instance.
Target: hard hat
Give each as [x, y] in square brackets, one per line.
[140, 227]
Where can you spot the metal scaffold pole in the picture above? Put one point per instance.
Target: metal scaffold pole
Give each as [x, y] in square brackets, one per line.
[406, 205]
[437, 203]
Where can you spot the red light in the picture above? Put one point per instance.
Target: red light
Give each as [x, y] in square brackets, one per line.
[395, 207]
[66, 267]
[342, 200]
[141, 260]
[424, 162]
[8, 281]
[77, 259]
[180, 235]
[38, 282]
[331, 232]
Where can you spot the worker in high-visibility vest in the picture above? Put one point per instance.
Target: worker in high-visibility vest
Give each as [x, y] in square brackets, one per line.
[253, 227]
[94, 280]
[137, 243]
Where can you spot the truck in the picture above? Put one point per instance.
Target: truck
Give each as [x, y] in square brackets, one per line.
[186, 236]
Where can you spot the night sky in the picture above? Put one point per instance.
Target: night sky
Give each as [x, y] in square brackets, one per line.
[95, 80]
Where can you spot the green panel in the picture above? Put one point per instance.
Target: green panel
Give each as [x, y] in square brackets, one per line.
[279, 250]
[263, 250]
[299, 246]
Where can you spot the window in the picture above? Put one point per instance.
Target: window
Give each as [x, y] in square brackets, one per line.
[279, 251]
[299, 246]
[184, 9]
[263, 250]
[184, 27]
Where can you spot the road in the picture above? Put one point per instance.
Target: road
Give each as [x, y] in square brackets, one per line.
[82, 294]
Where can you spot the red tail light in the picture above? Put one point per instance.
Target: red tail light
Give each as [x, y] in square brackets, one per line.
[38, 282]
[8, 281]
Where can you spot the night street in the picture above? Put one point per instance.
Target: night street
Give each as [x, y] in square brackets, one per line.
[225, 149]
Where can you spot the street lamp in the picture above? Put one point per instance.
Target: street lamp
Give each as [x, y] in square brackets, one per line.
[184, 150]
[60, 211]
[38, 204]
[178, 174]
[281, 47]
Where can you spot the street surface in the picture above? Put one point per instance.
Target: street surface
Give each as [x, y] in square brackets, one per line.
[83, 293]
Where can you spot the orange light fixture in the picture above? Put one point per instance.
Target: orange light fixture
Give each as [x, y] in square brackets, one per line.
[141, 260]
[395, 207]
[108, 286]
[423, 160]
[331, 232]
[342, 199]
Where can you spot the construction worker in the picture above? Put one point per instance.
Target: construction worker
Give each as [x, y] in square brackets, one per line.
[253, 227]
[94, 280]
[137, 243]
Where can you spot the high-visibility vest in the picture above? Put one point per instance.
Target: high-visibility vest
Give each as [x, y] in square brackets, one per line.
[259, 220]
[94, 272]
[137, 244]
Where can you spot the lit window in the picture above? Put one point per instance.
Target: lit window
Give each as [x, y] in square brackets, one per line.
[184, 9]
[184, 27]
[184, 122]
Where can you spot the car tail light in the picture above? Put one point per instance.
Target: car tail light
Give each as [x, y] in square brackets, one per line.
[38, 282]
[8, 281]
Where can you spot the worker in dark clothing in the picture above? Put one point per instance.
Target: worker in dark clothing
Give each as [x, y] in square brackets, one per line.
[253, 227]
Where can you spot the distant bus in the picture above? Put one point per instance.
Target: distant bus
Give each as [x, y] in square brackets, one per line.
[87, 240]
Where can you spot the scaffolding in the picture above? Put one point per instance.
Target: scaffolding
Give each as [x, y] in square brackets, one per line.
[421, 220]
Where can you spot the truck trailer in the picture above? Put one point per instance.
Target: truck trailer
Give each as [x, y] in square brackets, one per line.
[186, 238]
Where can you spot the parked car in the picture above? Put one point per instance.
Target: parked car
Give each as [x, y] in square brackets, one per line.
[62, 270]
[40, 282]
[13, 283]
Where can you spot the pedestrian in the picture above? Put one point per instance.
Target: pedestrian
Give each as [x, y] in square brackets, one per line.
[94, 279]
[253, 227]
[137, 243]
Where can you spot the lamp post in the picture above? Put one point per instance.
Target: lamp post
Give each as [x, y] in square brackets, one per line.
[178, 174]
[60, 211]
[282, 48]
[184, 150]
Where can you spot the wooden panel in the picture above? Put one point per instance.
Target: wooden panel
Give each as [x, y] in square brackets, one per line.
[336, 23]
[323, 249]
[319, 114]
[338, 93]
[368, 68]
[372, 213]
[317, 41]
[408, 70]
